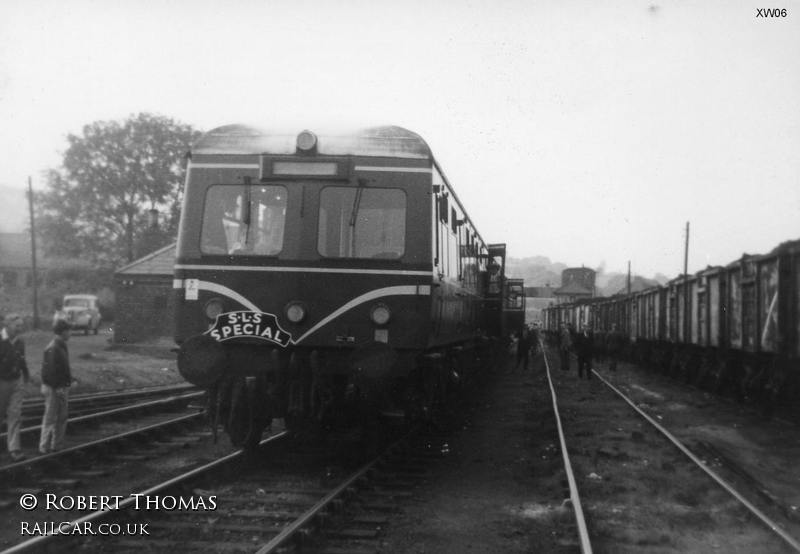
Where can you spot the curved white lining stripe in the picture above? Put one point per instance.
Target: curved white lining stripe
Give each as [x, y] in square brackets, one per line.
[399, 169]
[366, 297]
[223, 166]
[303, 269]
[230, 293]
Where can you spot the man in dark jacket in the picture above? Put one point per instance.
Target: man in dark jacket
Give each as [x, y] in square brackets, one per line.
[523, 348]
[584, 343]
[564, 346]
[56, 379]
[13, 376]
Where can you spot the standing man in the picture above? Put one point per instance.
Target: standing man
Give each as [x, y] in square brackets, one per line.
[584, 343]
[523, 348]
[13, 377]
[564, 346]
[56, 379]
[533, 339]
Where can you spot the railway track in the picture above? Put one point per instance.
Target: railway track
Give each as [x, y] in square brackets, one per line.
[128, 435]
[93, 469]
[87, 423]
[85, 404]
[329, 495]
[298, 499]
[129, 501]
[684, 483]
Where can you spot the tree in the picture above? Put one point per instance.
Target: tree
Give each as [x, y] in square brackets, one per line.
[97, 204]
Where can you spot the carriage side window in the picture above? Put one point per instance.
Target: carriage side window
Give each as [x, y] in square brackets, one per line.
[362, 223]
[244, 220]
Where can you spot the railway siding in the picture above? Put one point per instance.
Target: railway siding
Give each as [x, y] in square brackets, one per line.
[747, 449]
[503, 488]
[642, 494]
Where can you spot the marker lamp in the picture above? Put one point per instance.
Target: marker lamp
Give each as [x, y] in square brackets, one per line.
[295, 312]
[213, 308]
[380, 314]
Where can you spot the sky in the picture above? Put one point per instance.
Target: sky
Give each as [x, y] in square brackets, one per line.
[587, 132]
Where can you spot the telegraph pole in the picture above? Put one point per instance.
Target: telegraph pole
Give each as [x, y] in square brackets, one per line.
[34, 277]
[629, 276]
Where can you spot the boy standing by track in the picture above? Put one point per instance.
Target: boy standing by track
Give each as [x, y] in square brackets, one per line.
[56, 379]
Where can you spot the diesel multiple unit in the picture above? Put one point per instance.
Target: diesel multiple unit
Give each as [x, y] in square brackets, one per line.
[318, 268]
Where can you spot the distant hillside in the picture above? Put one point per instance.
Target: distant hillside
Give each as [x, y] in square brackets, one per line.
[539, 271]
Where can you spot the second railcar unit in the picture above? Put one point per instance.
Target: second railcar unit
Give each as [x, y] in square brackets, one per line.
[317, 266]
[513, 307]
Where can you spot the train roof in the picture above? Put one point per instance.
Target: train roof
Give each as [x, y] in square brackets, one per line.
[389, 140]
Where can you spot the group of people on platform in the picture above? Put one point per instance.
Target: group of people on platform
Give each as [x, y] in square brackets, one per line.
[56, 379]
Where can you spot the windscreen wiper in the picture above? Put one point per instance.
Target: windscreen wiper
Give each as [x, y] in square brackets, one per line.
[354, 215]
[356, 202]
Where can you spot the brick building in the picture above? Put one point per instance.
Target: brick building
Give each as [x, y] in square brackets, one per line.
[145, 304]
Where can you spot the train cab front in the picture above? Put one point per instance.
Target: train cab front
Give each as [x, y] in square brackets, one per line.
[303, 271]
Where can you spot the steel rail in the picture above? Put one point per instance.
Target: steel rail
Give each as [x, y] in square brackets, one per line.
[583, 532]
[32, 402]
[33, 409]
[38, 542]
[289, 531]
[100, 442]
[121, 410]
[134, 407]
[719, 480]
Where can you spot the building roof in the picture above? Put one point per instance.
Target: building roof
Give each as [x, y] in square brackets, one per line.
[160, 262]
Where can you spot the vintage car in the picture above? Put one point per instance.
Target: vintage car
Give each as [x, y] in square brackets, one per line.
[80, 311]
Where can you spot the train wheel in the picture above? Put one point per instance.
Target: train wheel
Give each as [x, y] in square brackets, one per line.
[260, 410]
[245, 408]
[234, 410]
